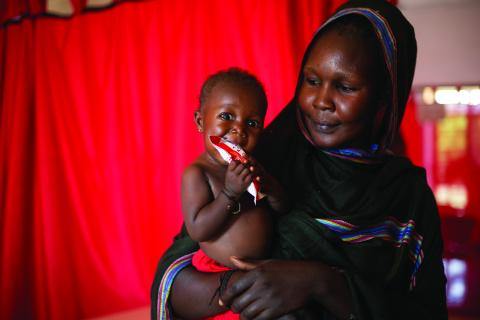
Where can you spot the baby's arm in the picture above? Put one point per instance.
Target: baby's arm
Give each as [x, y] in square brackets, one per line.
[205, 216]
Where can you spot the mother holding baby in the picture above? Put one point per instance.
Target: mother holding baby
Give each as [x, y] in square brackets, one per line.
[362, 240]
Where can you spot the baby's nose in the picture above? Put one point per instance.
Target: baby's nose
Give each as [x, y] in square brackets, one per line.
[239, 129]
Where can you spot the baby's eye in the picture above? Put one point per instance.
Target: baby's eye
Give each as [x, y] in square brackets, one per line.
[226, 116]
[346, 88]
[253, 123]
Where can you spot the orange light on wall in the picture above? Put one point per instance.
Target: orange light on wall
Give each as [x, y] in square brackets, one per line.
[451, 138]
[453, 195]
[451, 95]
[449, 117]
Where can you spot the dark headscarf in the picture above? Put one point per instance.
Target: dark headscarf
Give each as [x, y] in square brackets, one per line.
[339, 205]
[397, 39]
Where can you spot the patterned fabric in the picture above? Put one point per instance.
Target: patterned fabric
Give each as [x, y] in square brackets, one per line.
[390, 230]
[166, 284]
[358, 155]
[203, 263]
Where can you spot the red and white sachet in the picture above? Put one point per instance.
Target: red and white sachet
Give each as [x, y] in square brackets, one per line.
[230, 151]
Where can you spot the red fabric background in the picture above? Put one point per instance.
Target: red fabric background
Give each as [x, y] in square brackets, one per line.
[96, 127]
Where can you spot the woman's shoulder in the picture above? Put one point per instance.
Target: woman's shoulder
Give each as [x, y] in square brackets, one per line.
[402, 166]
[409, 182]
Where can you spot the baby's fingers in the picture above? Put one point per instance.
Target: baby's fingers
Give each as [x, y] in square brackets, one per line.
[233, 165]
[246, 177]
[238, 169]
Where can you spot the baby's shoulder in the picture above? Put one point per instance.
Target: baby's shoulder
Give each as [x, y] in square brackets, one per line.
[193, 171]
[201, 171]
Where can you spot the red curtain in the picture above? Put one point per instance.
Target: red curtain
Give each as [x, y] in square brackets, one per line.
[96, 120]
[15, 10]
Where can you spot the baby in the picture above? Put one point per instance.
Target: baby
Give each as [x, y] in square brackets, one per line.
[218, 213]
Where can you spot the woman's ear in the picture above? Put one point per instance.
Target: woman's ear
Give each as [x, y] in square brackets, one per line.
[197, 117]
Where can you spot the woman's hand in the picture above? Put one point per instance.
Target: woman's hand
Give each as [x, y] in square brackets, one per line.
[271, 289]
[274, 288]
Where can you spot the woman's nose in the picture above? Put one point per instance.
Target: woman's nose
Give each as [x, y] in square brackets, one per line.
[323, 98]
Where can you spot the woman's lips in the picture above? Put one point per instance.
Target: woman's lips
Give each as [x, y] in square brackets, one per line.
[325, 127]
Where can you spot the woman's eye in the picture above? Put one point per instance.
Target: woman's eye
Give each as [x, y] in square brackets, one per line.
[346, 88]
[312, 81]
[253, 123]
[225, 116]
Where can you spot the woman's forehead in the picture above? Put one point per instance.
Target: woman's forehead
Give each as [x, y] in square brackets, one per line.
[343, 51]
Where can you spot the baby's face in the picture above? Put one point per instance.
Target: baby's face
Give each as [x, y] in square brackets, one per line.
[337, 93]
[232, 112]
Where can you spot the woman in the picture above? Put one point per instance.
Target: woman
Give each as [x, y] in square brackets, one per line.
[363, 240]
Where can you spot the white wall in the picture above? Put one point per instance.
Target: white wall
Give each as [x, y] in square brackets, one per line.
[448, 37]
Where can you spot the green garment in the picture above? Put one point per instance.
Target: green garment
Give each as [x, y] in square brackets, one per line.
[364, 194]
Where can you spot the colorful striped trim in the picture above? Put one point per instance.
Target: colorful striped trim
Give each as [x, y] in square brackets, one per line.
[358, 155]
[166, 285]
[353, 159]
[390, 230]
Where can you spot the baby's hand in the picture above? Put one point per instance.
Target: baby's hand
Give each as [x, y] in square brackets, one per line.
[260, 174]
[256, 168]
[237, 178]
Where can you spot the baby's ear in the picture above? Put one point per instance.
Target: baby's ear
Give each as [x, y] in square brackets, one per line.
[197, 117]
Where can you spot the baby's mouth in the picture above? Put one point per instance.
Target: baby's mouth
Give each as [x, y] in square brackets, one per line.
[235, 140]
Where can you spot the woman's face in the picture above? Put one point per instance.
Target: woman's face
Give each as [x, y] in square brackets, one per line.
[337, 95]
[231, 112]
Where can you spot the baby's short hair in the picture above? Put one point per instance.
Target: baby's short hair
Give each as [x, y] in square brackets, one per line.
[234, 76]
